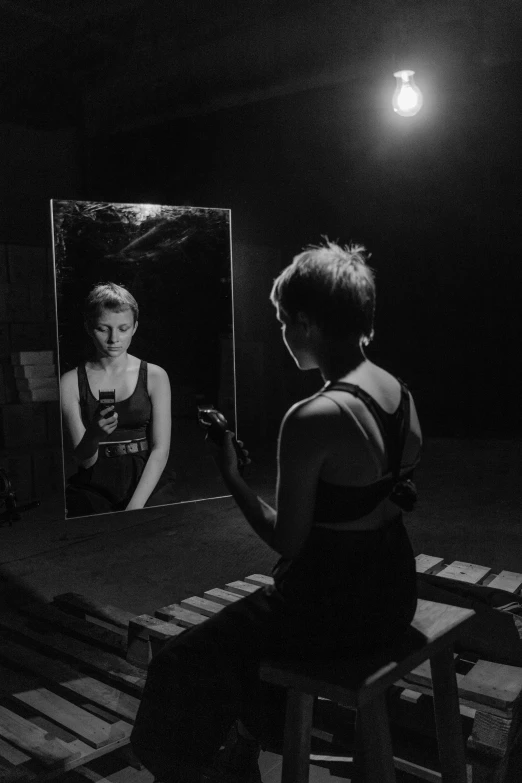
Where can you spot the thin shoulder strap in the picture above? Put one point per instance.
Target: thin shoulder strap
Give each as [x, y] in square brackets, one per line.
[83, 391]
[143, 373]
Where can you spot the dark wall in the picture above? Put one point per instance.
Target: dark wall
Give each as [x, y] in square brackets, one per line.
[437, 199]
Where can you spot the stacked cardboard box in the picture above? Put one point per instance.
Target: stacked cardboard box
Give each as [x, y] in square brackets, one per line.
[30, 435]
[35, 376]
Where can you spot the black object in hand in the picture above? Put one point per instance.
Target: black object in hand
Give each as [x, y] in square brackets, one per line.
[216, 426]
[107, 398]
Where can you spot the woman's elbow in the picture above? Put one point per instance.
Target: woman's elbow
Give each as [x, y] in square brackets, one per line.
[160, 454]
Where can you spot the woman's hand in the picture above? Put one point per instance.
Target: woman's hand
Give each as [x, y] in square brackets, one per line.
[104, 424]
[225, 455]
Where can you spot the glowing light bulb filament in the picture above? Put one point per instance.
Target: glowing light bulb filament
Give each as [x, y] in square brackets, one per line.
[407, 98]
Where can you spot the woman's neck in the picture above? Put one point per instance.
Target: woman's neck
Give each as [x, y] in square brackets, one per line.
[339, 360]
[112, 366]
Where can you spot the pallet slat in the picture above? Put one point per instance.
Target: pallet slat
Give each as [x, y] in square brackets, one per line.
[64, 676]
[33, 693]
[182, 616]
[49, 751]
[147, 626]
[107, 665]
[259, 579]
[498, 685]
[82, 629]
[224, 597]
[202, 605]
[509, 581]
[465, 572]
[242, 588]
[80, 606]
[92, 730]
[426, 564]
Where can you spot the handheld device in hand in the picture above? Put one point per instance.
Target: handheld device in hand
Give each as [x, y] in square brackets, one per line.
[107, 398]
[216, 426]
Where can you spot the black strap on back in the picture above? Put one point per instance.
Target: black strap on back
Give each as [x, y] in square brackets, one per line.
[392, 426]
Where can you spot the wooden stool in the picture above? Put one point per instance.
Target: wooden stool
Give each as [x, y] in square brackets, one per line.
[362, 685]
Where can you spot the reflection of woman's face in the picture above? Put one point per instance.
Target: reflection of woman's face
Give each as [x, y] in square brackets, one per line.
[112, 332]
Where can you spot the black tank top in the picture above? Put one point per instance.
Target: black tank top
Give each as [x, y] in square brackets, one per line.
[134, 413]
[335, 503]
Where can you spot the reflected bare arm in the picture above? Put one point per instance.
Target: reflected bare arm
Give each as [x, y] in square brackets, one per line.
[159, 392]
[85, 441]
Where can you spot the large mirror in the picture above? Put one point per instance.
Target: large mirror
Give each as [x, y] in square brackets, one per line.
[144, 310]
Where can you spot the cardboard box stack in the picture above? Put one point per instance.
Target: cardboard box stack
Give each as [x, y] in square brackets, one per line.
[30, 434]
[35, 376]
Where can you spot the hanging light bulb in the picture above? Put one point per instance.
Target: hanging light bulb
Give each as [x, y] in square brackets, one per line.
[407, 98]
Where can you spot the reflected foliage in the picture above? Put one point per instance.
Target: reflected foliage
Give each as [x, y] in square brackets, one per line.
[176, 263]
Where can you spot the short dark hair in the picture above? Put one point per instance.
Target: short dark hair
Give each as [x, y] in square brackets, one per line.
[333, 286]
[109, 296]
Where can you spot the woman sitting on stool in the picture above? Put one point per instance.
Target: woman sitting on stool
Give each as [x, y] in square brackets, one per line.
[346, 582]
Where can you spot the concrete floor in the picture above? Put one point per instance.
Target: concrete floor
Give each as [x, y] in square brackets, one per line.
[469, 509]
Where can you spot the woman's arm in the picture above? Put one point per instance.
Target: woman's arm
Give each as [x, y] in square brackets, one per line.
[301, 452]
[159, 392]
[85, 442]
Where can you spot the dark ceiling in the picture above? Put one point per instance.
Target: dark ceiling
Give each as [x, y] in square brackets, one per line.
[113, 64]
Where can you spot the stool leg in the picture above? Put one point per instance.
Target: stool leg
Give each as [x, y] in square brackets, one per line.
[373, 753]
[298, 727]
[450, 740]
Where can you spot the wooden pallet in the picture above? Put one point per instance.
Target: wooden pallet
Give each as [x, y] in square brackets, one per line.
[72, 673]
[460, 571]
[67, 695]
[490, 693]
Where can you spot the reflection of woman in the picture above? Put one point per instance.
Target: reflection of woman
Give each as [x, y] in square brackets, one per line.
[346, 583]
[122, 448]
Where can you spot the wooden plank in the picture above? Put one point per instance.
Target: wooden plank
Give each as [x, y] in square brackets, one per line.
[182, 616]
[80, 606]
[507, 580]
[109, 666]
[96, 634]
[242, 588]
[13, 755]
[496, 684]
[224, 597]
[92, 730]
[80, 754]
[142, 631]
[465, 572]
[64, 676]
[421, 674]
[147, 626]
[487, 683]
[408, 695]
[426, 564]
[30, 690]
[49, 751]
[259, 579]
[209, 608]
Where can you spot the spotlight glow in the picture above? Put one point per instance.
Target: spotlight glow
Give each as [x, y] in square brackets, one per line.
[407, 98]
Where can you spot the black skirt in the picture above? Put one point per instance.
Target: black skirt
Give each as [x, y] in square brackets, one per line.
[347, 592]
[108, 485]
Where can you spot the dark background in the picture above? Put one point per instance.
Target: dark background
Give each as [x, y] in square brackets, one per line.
[283, 115]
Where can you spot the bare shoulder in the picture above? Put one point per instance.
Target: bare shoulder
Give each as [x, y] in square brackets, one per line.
[157, 378]
[69, 382]
[155, 371]
[311, 417]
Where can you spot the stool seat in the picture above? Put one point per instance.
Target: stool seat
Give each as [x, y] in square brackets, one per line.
[361, 683]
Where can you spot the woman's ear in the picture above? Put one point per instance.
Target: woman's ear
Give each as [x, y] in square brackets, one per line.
[304, 321]
[134, 328]
[87, 328]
